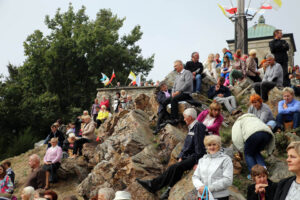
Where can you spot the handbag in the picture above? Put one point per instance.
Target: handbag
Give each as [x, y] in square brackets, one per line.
[206, 195]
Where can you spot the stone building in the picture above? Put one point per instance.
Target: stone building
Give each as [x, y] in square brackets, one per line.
[259, 37]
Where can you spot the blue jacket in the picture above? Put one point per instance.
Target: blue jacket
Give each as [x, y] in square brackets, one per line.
[193, 143]
[293, 106]
[212, 93]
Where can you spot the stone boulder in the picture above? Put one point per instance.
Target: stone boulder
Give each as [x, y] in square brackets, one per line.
[175, 153]
[278, 168]
[72, 167]
[275, 95]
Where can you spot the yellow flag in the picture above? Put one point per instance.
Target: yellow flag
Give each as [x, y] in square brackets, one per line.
[132, 76]
[223, 10]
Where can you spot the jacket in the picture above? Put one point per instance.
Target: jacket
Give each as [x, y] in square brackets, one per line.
[193, 143]
[293, 106]
[274, 74]
[210, 72]
[251, 66]
[279, 48]
[269, 195]
[88, 131]
[264, 113]
[216, 125]
[194, 67]
[212, 93]
[57, 134]
[162, 100]
[216, 172]
[102, 115]
[183, 82]
[283, 188]
[245, 126]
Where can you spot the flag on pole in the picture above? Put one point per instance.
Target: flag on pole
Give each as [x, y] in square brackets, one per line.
[104, 79]
[266, 7]
[112, 77]
[231, 10]
[138, 79]
[276, 4]
[132, 76]
[223, 10]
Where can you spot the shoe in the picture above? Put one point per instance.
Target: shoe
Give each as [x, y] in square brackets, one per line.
[165, 195]
[146, 184]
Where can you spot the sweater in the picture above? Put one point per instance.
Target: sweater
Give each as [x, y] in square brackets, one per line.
[245, 126]
[183, 82]
[212, 93]
[251, 66]
[37, 178]
[216, 172]
[194, 67]
[274, 74]
[53, 154]
[293, 106]
[88, 131]
[216, 125]
[264, 113]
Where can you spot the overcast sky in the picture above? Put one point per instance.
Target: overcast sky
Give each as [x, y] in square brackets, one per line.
[173, 29]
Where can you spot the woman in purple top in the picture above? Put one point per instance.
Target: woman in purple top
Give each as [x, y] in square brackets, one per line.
[94, 111]
[52, 161]
[212, 118]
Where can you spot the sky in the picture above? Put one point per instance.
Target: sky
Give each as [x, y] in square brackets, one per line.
[172, 29]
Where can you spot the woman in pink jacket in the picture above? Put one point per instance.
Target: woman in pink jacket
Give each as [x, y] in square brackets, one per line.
[212, 118]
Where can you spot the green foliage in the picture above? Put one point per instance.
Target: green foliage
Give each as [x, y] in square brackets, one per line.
[62, 70]
[281, 142]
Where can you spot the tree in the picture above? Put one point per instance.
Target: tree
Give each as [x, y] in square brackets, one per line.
[62, 70]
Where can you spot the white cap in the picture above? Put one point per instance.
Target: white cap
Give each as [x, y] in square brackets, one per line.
[122, 195]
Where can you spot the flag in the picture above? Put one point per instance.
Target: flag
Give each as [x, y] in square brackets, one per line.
[231, 10]
[112, 77]
[104, 79]
[223, 10]
[138, 79]
[266, 7]
[132, 76]
[276, 4]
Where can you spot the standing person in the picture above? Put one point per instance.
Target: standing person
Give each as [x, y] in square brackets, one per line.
[87, 136]
[116, 102]
[251, 63]
[55, 133]
[6, 186]
[9, 171]
[264, 188]
[273, 77]
[222, 95]
[210, 67]
[212, 118]
[279, 48]
[94, 111]
[52, 162]
[193, 149]
[182, 89]
[250, 135]
[214, 170]
[37, 178]
[105, 102]
[163, 97]
[288, 109]
[196, 68]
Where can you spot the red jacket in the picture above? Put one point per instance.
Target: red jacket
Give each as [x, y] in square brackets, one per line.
[216, 125]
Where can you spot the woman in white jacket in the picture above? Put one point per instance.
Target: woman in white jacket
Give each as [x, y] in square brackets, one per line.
[214, 170]
[210, 67]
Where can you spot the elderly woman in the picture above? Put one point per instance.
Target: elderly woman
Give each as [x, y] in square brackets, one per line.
[288, 189]
[210, 67]
[251, 135]
[214, 170]
[212, 118]
[27, 193]
[288, 109]
[103, 114]
[52, 162]
[261, 110]
[264, 188]
[87, 136]
[6, 185]
[252, 72]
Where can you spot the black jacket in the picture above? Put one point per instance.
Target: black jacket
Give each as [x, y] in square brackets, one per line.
[163, 100]
[213, 93]
[270, 191]
[193, 143]
[194, 67]
[283, 188]
[57, 134]
[279, 48]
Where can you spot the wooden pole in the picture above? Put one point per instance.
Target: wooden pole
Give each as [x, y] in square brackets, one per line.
[241, 32]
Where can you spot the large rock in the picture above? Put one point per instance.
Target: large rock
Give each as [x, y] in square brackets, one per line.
[183, 188]
[175, 153]
[72, 167]
[278, 168]
[275, 95]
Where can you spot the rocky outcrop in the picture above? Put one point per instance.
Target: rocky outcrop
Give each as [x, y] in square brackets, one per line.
[275, 95]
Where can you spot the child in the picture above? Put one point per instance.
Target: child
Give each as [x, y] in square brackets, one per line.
[225, 70]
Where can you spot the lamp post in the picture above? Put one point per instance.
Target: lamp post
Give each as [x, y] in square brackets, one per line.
[241, 28]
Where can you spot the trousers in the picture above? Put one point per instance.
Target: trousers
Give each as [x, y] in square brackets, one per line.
[229, 102]
[174, 103]
[263, 88]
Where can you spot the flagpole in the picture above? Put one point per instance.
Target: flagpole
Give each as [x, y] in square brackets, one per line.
[126, 81]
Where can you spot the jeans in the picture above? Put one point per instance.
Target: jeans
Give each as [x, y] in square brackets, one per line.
[295, 117]
[229, 102]
[198, 80]
[263, 88]
[253, 146]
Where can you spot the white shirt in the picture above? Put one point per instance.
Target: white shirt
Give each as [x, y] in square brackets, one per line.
[209, 120]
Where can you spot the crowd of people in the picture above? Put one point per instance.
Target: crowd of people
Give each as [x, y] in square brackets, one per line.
[202, 151]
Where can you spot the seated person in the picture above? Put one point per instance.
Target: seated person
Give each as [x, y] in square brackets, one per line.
[222, 95]
[225, 70]
[52, 162]
[55, 133]
[196, 68]
[238, 71]
[273, 77]
[295, 82]
[9, 171]
[123, 98]
[6, 185]
[87, 136]
[214, 170]
[103, 114]
[116, 102]
[27, 193]
[182, 89]
[262, 68]
[252, 72]
[193, 149]
[210, 67]
[163, 98]
[71, 128]
[261, 110]
[105, 102]
[288, 109]
[212, 118]
[37, 178]
[68, 145]
[263, 188]
[129, 104]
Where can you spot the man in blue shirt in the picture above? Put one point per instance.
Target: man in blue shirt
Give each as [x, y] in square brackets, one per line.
[288, 109]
